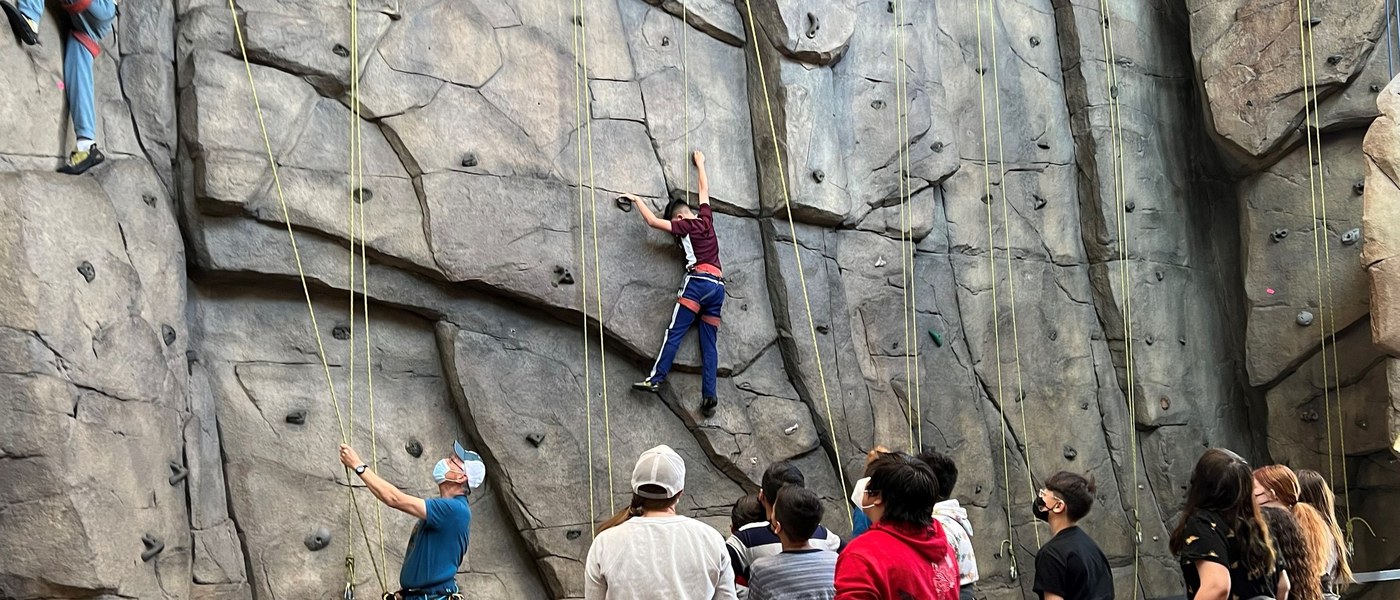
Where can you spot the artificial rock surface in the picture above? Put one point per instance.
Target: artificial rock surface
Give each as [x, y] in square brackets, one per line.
[1082, 277]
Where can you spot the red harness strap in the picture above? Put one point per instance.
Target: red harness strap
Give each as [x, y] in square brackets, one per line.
[708, 269]
[77, 6]
[86, 40]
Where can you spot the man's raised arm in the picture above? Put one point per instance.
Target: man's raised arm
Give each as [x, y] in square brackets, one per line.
[704, 181]
[386, 492]
[652, 220]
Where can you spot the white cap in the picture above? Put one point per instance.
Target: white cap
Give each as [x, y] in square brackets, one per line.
[661, 467]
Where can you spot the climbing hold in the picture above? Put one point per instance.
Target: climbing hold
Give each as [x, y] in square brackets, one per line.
[1096, 336]
[890, 7]
[1182, 340]
[340, 50]
[341, 332]
[318, 539]
[1308, 416]
[978, 489]
[1124, 62]
[1334, 59]
[1084, 405]
[818, 175]
[1375, 87]
[178, 472]
[1130, 207]
[937, 338]
[1160, 275]
[86, 269]
[937, 147]
[1164, 402]
[578, 19]
[1043, 145]
[877, 104]
[1113, 92]
[1269, 291]
[1316, 162]
[535, 439]
[562, 276]
[813, 25]
[469, 160]
[363, 195]
[573, 534]
[1038, 202]
[623, 204]
[297, 417]
[981, 70]
[1358, 188]
[1352, 236]
[1070, 452]
[167, 333]
[1054, 335]
[1278, 235]
[790, 429]
[1362, 423]
[1149, 340]
[880, 262]
[153, 547]
[414, 448]
[1305, 318]
[148, 199]
[823, 329]
[1035, 41]
[744, 307]
[1249, 103]
[1315, 21]
[665, 41]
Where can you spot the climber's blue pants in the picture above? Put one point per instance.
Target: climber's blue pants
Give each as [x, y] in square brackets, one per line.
[701, 296]
[93, 24]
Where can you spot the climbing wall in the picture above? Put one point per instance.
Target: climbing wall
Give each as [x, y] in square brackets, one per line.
[168, 430]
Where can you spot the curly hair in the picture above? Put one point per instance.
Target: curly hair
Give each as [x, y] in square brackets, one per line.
[1305, 557]
[1316, 493]
[1222, 483]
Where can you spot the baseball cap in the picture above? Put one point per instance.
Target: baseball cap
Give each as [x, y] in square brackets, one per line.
[462, 462]
[661, 467]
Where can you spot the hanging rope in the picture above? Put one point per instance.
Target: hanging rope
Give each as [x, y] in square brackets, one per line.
[1010, 543]
[1317, 186]
[1124, 272]
[579, 124]
[305, 287]
[899, 117]
[911, 287]
[797, 254]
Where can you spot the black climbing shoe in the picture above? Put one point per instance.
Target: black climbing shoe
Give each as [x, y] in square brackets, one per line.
[647, 385]
[27, 31]
[707, 407]
[79, 161]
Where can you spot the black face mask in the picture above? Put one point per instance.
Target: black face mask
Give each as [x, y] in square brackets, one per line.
[1039, 509]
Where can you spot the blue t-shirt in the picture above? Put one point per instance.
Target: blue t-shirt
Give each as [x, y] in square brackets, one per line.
[436, 548]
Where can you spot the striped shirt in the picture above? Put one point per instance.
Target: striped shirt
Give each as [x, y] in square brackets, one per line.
[794, 575]
[756, 540]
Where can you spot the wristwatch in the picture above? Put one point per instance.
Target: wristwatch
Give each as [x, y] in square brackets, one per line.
[360, 470]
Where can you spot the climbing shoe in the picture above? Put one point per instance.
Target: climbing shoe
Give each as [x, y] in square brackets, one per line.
[707, 407]
[80, 161]
[647, 385]
[26, 29]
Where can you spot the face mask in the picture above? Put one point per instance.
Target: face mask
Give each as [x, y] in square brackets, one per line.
[858, 494]
[1039, 509]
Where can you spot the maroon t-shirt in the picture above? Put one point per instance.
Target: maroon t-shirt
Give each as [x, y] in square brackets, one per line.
[697, 238]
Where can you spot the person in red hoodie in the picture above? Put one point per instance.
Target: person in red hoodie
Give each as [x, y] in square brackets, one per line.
[904, 555]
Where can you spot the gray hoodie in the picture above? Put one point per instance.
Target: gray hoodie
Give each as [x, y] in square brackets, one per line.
[953, 517]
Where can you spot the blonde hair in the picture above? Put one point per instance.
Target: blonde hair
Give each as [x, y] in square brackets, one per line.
[1282, 482]
[1316, 493]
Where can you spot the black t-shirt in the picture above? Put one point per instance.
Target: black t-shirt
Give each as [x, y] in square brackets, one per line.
[1072, 566]
[1208, 539]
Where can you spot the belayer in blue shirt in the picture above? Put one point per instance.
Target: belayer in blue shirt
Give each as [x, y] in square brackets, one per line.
[439, 540]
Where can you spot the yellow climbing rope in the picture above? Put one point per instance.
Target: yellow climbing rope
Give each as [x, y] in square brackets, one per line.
[583, 273]
[754, 40]
[1322, 255]
[301, 275]
[905, 277]
[1115, 117]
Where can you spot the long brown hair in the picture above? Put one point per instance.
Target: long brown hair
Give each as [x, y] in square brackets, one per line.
[1307, 562]
[638, 506]
[1223, 484]
[1293, 551]
[1316, 493]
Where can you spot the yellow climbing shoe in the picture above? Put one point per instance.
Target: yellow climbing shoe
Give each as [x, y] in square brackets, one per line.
[81, 160]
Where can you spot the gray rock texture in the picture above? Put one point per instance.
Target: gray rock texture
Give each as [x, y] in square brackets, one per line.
[971, 226]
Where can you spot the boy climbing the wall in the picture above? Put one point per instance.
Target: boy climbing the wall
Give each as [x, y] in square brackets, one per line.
[91, 20]
[702, 289]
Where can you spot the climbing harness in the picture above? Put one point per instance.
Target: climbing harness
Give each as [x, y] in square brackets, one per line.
[1121, 211]
[797, 255]
[306, 292]
[1322, 255]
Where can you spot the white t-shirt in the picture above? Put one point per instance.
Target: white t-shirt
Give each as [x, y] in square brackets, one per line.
[677, 558]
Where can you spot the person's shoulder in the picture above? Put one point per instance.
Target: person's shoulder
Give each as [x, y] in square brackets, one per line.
[756, 536]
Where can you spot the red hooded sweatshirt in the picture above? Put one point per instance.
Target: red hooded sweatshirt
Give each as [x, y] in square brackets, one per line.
[894, 562]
